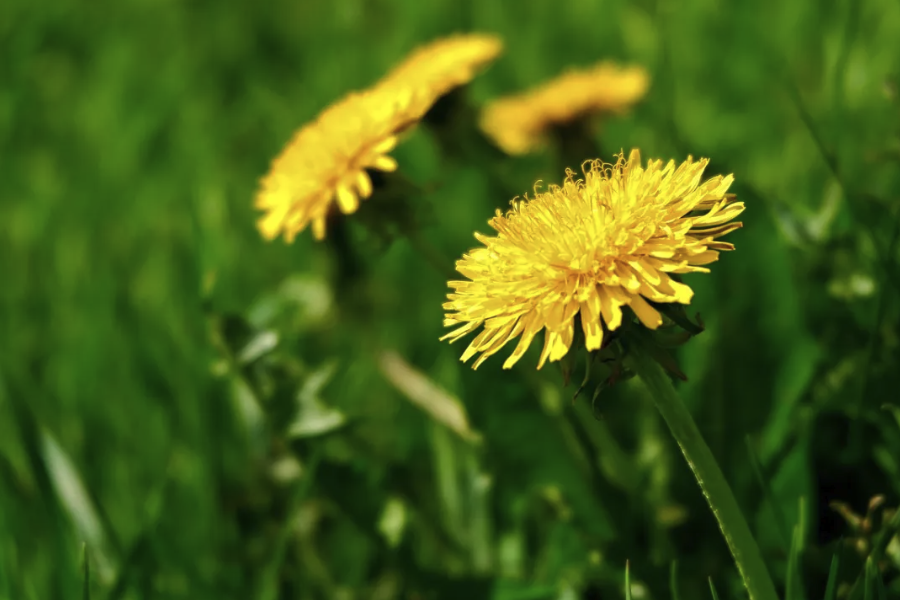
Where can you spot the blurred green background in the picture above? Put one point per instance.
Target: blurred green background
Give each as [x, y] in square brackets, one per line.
[214, 416]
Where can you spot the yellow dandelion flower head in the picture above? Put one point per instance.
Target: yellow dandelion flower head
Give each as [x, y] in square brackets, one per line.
[519, 123]
[590, 247]
[326, 161]
[444, 64]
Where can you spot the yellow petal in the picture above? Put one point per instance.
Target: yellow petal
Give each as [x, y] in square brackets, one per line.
[646, 271]
[722, 246]
[532, 325]
[347, 200]
[270, 225]
[385, 146]
[545, 351]
[722, 216]
[609, 307]
[563, 342]
[363, 184]
[476, 344]
[683, 293]
[318, 227]
[705, 258]
[590, 321]
[646, 313]
[499, 340]
[384, 162]
[627, 277]
[458, 333]
[471, 350]
[551, 338]
[714, 232]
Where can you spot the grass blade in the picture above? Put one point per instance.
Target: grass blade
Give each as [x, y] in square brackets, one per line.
[831, 586]
[874, 588]
[269, 579]
[712, 589]
[894, 410]
[888, 531]
[5, 579]
[871, 573]
[74, 498]
[627, 581]
[86, 570]
[673, 580]
[425, 394]
[794, 584]
[780, 521]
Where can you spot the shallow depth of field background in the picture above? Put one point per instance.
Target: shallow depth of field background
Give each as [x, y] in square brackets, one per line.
[210, 413]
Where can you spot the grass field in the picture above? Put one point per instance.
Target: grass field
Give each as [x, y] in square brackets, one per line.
[204, 414]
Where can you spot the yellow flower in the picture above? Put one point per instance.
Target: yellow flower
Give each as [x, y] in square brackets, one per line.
[518, 124]
[590, 247]
[438, 67]
[326, 161]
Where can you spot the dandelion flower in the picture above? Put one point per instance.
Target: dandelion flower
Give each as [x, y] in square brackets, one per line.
[326, 161]
[590, 247]
[518, 124]
[438, 67]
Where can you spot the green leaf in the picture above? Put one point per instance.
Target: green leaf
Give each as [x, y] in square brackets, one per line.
[74, 498]
[879, 586]
[673, 580]
[300, 302]
[794, 584]
[5, 593]
[615, 463]
[831, 586]
[883, 540]
[86, 570]
[314, 417]
[271, 573]
[871, 575]
[712, 590]
[520, 590]
[874, 584]
[627, 581]
[894, 410]
[262, 343]
[780, 520]
[677, 313]
[791, 383]
[448, 483]
[393, 521]
[480, 487]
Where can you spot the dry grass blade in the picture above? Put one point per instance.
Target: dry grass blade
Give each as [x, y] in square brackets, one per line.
[427, 395]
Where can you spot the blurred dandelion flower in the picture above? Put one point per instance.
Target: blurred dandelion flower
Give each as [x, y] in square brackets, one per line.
[436, 68]
[519, 123]
[326, 161]
[590, 247]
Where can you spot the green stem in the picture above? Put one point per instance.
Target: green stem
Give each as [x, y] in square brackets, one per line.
[715, 488]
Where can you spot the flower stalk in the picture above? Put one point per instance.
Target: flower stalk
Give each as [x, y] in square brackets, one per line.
[712, 482]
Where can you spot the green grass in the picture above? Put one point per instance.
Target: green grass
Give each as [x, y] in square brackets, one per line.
[132, 137]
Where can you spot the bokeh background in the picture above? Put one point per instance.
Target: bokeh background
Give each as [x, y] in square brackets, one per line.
[214, 416]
